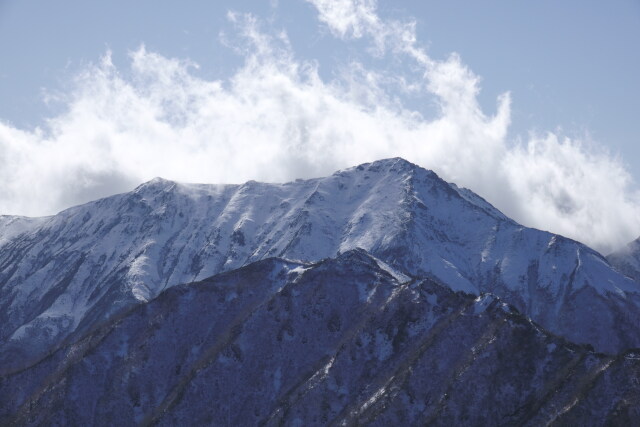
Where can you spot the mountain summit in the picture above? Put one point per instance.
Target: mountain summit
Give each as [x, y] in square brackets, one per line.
[62, 276]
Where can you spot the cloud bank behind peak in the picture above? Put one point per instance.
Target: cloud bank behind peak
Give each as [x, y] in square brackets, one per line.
[276, 119]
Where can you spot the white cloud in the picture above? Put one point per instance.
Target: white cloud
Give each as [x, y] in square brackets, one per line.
[276, 119]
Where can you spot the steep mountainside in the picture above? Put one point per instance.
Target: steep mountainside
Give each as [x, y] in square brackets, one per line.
[627, 260]
[343, 341]
[76, 269]
[11, 226]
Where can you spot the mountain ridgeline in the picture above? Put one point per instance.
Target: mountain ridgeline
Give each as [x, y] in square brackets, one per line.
[378, 294]
[341, 342]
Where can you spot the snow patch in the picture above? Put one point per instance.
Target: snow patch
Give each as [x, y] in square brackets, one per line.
[399, 276]
[482, 303]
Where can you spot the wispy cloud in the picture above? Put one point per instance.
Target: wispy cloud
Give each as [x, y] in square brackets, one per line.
[551, 182]
[276, 119]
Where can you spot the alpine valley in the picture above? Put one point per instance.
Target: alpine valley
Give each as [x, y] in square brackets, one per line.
[378, 295]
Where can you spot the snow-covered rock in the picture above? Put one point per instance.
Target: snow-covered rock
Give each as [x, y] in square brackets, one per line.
[11, 226]
[75, 270]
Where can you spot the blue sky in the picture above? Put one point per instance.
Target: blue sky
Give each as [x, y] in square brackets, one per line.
[569, 64]
[570, 69]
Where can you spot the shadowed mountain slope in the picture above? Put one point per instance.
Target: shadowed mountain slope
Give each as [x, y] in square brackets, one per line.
[346, 340]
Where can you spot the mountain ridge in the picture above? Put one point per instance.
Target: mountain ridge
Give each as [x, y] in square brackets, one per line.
[336, 341]
[103, 256]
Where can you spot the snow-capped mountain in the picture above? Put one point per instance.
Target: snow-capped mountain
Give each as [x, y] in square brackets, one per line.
[346, 341]
[627, 260]
[70, 272]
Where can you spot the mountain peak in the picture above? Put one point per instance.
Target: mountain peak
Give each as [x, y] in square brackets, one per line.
[155, 184]
[397, 163]
[411, 221]
[390, 165]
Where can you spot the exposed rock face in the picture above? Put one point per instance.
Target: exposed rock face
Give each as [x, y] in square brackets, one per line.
[61, 276]
[342, 341]
[627, 260]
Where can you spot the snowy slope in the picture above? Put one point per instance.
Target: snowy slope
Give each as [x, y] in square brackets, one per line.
[340, 342]
[12, 226]
[83, 265]
[627, 260]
